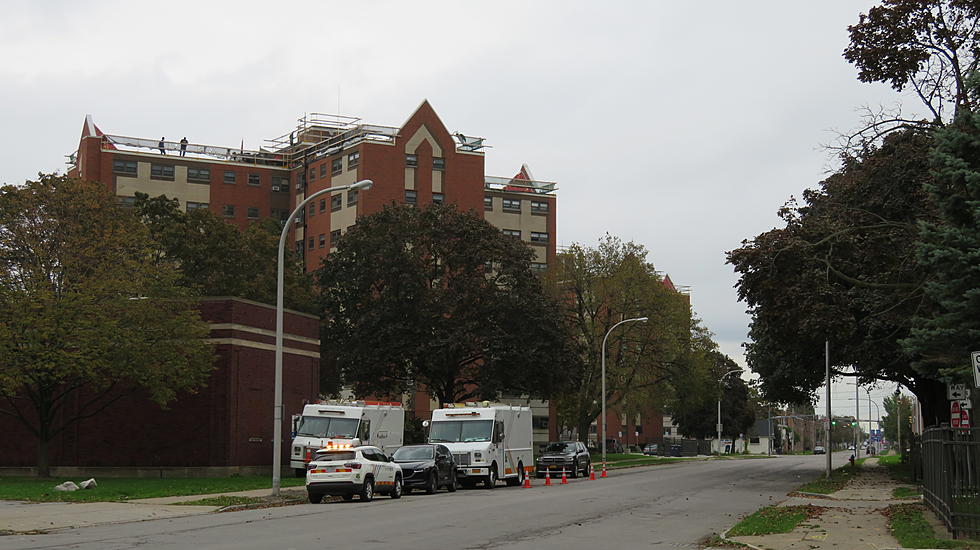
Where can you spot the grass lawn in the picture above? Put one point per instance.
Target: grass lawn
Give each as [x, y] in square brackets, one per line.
[908, 525]
[838, 478]
[897, 470]
[116, 489]
[773, 519]
[906, 492]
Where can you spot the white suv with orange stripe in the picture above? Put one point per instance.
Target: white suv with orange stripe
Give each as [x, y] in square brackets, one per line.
[346, 472]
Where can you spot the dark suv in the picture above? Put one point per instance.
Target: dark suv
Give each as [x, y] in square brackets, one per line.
[426, 467]
[569, 456]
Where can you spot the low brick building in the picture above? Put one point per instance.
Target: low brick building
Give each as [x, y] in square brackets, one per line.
[226, 426]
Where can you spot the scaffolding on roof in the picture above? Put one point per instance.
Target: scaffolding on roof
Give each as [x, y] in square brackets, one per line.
[495, 183]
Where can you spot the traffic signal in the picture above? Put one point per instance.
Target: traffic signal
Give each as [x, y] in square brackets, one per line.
[854, 424]
[833, 422]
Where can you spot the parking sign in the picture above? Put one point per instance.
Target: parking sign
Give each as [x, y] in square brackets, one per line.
[975, 361]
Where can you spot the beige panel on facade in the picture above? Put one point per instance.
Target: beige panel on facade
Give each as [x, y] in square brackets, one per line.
[346, 215]
[178, 189]
[410, 178]
[422, 134]
[437, 181]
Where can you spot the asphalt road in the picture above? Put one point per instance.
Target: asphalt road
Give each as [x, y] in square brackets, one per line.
[671, 506]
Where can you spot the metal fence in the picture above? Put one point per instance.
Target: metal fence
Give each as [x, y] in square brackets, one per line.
[949, 470]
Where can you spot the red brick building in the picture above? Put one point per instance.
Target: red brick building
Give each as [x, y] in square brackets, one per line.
[228, 424]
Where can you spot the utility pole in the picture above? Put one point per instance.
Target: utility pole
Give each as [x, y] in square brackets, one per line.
[898, 418]
[827, 435]
[857, 414]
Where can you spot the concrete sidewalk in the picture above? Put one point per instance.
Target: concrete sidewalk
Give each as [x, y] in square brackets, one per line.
[27, 517]
[851, 518]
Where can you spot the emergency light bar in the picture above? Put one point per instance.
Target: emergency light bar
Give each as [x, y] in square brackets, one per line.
[471, 413]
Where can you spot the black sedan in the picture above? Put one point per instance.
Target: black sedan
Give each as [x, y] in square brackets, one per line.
[569, 456]
[427, 467]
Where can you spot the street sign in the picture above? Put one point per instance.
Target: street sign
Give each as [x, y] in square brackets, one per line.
[954, 414]
[966, 404]
[957, 392]
[975, 361]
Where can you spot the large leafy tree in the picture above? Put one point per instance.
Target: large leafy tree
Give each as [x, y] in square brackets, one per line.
[898, 410]
[696, 414]
[843, 269]
[440, 300]
[949, 251]
[217, 259]
[598, 287]
[86, 315]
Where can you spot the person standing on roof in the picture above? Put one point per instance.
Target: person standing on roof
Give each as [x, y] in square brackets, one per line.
[163, 150]
[183, 146]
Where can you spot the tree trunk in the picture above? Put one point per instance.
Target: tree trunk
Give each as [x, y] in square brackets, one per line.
[43, 466]
[933, 402]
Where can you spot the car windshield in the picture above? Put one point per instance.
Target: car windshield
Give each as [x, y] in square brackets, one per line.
[559, 448]
[460, 431]
[407, 454]
[319, 426]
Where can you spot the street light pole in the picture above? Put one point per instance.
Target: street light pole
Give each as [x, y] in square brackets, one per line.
[720, 380]
[604, 338]
[277, 408]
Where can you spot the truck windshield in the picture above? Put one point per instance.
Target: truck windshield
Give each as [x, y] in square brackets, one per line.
[460, 431]
[319, 426]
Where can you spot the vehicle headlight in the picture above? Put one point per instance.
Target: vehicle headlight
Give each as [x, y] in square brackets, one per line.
[477, 457]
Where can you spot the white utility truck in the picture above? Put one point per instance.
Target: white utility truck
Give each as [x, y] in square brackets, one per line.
[488, 442]
[345, 424]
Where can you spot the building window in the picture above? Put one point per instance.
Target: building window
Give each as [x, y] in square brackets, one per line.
[512, 232]
[278, 214]
[513, 205]
[253, 212]
[353, 159]
[336, 202]
[754, 440]
[334, 238]
[437, 198]
[537, 237]
[253, 179]
[230, 177]
[539, 267]
[312, 210]
[311, 243]
[299, 247]
[487, 203]
[539, 422]
[352, 197]
[411, 161]
[336, 166]
[162, 172]
[228, 210]
[280, 184]
[438, 163]
[126, 202]
[667, 432]
[323, 170]
[127, 167]
[539, 207]
[195, 205]
[322, 238]
[411, 197]
[199, 175]
[312, 174]
[323, 205]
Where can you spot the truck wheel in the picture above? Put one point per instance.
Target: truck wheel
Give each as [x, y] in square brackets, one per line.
[491, 480]
[432, 485]
[519, 480]
[396, 491]
[315, 499]
[367, 492]
[575, 470]
[452, 483]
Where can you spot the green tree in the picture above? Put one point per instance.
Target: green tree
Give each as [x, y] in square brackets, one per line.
[948, 250]
[217, 259]
[843, 269]
[439, 300]
[598, 287]
[697, 414]
[898, 410]
[86, 315]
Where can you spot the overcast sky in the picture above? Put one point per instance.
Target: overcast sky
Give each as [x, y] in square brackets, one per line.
[682, 126]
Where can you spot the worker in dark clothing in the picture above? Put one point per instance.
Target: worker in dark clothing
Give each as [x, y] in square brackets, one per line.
[183, 146]
[163, 150]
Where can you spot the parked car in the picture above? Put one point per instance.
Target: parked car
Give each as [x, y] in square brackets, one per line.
[346, 472]
[651, 449]
[426, 467]
[569, 456]
[850, 447]
[819, 450]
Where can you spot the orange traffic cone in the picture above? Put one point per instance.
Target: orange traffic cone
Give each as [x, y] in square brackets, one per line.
[547, 478]
[603, 470]
[591, 472]
[527, 481]
[564, 480]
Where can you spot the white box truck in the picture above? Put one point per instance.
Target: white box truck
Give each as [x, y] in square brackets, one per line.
[345, 424]
[488, 442]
